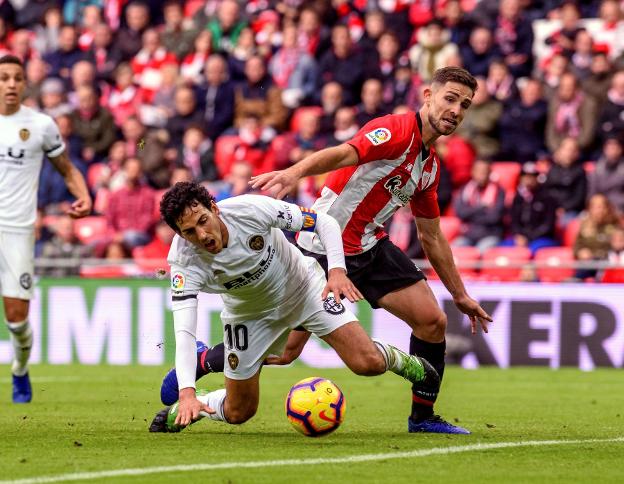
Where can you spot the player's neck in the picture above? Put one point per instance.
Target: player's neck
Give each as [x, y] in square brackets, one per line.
[9, 110]
[428, 134]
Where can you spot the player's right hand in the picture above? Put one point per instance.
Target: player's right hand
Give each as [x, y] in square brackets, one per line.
[189, 407]
[283, 180]
[80, 208]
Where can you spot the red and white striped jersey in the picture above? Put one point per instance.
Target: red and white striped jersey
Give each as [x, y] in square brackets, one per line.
[394, 169]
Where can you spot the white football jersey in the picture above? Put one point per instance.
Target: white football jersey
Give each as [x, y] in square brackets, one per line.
[25, 137]
[259, 270]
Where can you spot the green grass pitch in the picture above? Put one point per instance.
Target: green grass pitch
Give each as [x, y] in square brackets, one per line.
[95, 418]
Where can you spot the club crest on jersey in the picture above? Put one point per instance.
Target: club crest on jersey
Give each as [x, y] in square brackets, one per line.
[379, 136]
[233, 361]
[177, 282]
[26, 280]
[309, 219]
[256, 242]
[332, 307]
[24, 134]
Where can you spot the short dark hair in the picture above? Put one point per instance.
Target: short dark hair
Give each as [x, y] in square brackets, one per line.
[455, 74]
[181, 196]
[11, 59]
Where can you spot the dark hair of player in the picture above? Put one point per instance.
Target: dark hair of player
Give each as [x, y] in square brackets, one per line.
[11, 59]
[181, 196]
[454, 74]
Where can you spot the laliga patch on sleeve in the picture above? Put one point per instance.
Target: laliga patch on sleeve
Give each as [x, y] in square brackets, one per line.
[177, 282]
[379, 136]
[309, 219]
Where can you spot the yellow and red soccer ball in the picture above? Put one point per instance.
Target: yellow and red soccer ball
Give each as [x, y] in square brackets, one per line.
[315, 406]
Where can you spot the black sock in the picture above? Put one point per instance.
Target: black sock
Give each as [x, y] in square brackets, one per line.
[211, 360]
[434, 354]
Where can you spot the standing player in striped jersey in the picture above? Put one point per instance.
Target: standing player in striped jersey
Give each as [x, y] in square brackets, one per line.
[389, 163]
[25, 136]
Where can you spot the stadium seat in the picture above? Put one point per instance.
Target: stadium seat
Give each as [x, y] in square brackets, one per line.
[506, 174]
[450, 227]
[613, 276]
[571, 231]
[466, 255]
[553, 257]
[225, 148]
[294, 122]
[104, 272]
[589, 167]
[90, 229]
[502, 257]
[147, 266]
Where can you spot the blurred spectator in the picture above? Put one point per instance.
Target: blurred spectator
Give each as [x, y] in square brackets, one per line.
[314, 37]
[180, 174]
[566, 181]
[457, 22]
[500, 83]
[608, 176]
[609, 36]
[82, 74]
[480, 52]
[331, 100]
[147, 63]
[403, 88]
[597, 83]
[374, 27]
[611, 121]
[562, 41]
[259, 97]
[177, 37]
[217, 96]
[117, 252]
[128, 40]
[344, 64]
[103, 54]
[571, 113]
[192, 66]
[480, 205]
[74, 11]
[162, 107]
[149, 147]
[124, 99]
[66, 246]
[551, 75]
[293, 70]
[267, 34]
[298, 145]
[237, 180]
[197, 155]
[433, 50]
[31, 12]
[345, 126]
[513, 35]
[372, 105]
[581, 60]
[47, 34]
[185, 115]
[594, 237]
[383, 61]
[159, 247]
[36, 72]
[522, 125]
[481, 126]
[243, 51]
[19, 43]
[252, 146]
[130, 212]
[458, 155]
[616, 247]
[226, 26]
[62, 59]
[532, 213]
[90, 18]
[93, 124]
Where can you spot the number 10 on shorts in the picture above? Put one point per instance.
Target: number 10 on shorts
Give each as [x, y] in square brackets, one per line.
[235, 337]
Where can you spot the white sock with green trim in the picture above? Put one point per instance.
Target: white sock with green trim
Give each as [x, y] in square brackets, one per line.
[22, 339]
[215, 401]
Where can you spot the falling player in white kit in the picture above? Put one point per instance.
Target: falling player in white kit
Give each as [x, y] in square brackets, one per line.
[236, 249]
[25, 136]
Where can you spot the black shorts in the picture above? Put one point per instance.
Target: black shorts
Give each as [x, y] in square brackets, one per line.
[378, 271]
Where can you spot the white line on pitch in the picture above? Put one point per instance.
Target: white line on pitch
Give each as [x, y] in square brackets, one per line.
[297, 462]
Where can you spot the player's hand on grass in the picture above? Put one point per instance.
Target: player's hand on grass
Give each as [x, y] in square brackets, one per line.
[340, 284]
[189, 407]
[283, 181]
[80, 207]
[476, 313]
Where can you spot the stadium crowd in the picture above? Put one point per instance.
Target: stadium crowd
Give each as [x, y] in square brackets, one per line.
[148, 93]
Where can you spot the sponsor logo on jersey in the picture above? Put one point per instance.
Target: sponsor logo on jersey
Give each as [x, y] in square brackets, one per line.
[332, 307]
[393, 185]
[286, 216]
[233, 361]
[250, 276]
[26, 280]
[256, 242]
[177, 282]
[24, 134]
[379, 136]
[309, 219]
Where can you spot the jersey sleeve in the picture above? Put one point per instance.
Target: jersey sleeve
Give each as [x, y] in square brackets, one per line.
[185, 286]
[52, 144]
[384, 138]
[284, 215]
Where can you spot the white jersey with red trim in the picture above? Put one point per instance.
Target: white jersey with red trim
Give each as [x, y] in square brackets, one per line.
[394, 169]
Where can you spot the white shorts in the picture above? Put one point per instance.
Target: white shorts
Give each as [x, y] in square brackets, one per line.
[17, 263]
[248, 342]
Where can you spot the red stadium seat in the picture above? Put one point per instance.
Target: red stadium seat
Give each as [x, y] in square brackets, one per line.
[147, 265]
[225, 148]
[613, 276]
[571, 231]
[90, 229]
[466, 255]
[502, 257]
[450, 227]
[104, 272]
[506, 174]
[295, 121]
[553, 257]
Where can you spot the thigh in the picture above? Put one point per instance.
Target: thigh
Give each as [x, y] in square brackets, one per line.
[17, 265]
[414, 304]
[242, 396]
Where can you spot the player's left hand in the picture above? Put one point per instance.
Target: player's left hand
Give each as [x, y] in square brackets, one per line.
[339, 283]
[476, 313]
[80, 208]
[189, 408]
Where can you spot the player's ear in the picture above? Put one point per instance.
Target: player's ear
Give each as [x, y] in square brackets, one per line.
[427, 93]
[214, 208]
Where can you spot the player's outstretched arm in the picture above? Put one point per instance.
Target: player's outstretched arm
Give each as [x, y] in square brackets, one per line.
[322, 161]
[76, 185]
[439, 253]
[294, 346]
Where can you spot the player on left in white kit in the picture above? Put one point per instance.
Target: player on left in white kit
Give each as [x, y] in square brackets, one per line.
[236, 249]
[25, 136]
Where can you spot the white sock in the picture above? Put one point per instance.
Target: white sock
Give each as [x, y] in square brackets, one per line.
[394, 357]
[22, 339]
[215, 401]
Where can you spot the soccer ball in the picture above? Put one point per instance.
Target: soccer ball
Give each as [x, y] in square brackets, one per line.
[315, 406]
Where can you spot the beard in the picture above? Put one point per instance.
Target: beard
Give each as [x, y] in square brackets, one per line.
[440, 128]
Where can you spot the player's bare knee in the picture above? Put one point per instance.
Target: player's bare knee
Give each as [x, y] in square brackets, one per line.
[237, 416]
[369, 364]
[15, 313]
[437, 327]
